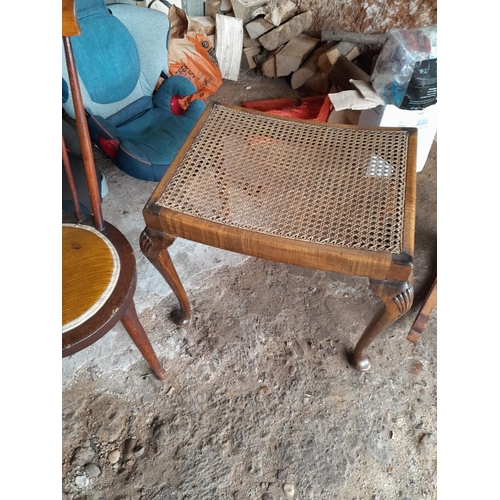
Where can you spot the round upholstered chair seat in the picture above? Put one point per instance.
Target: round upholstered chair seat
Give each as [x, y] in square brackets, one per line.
[90, 270]
[98, 282]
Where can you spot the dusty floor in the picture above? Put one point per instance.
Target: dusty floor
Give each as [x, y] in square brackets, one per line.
[260, 401]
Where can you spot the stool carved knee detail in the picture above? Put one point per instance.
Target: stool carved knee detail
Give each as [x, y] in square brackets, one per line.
[154, 245]
[397, 298]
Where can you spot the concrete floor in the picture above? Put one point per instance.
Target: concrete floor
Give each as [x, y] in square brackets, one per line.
[260, 401]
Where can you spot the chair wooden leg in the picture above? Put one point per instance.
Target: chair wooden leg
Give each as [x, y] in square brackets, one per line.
[423, 315]
[154, 246]
[136, 331]
[397, 299]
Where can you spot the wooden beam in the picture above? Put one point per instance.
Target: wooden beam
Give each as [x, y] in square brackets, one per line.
[226, 6]
[229, 45]
[310, 66]
[206, 22]
[243, 9]
[359, 38]
[329, 58]
[282, 34]
[212, 8]
[249, 53]
[249, 42]
[266, 62]
[293, 54]
[258, 27]
[279, 11]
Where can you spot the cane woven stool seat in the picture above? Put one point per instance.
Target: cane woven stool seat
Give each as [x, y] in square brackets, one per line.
[337, 198]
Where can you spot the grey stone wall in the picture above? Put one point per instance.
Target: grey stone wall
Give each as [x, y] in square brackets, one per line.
[369, 16]
[359, 16]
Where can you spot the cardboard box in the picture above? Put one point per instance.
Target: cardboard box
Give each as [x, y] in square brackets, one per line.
[424, 120]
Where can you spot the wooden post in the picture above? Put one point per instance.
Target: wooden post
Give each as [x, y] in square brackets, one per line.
[329, 58]
[295, 51]
[250, 52]
[279, 11]
[243, 9]
[361, 38]
[206, 22]
[212, 8]
[229, 45]
[310, 66]
[282, 34]
[257, 28]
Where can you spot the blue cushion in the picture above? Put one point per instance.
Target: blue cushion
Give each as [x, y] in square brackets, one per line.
[148, 30]
[149, 143]
[119, 56]
[131, 112]
[65, 90]
[103, 50]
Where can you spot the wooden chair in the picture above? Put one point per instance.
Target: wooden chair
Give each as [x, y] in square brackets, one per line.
[422, 318]
[331, 197]
[99, 268]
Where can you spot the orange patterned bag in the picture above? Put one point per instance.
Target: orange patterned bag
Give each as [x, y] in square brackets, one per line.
[190, 54]
[315, 108]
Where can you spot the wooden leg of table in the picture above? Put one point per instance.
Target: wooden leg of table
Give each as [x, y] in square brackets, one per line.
[397, 299]
[131, 322]
[154, 246]
[423, 315]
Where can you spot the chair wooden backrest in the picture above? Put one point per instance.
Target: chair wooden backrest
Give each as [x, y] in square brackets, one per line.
[70, 28]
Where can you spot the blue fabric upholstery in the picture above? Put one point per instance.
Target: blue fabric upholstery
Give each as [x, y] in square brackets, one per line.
[120, 54]
[106, 45]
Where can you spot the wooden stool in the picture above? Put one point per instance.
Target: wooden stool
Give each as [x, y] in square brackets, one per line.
[331, 197]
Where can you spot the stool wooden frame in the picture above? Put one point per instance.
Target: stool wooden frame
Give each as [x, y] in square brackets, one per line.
[390, 273]
[99, 268]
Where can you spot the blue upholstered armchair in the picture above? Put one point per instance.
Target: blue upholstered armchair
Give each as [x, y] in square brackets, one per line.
[120, 55]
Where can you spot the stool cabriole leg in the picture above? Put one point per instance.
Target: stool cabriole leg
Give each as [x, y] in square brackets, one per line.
[154, 246]
[397, 299]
